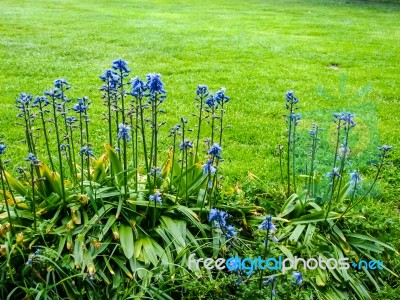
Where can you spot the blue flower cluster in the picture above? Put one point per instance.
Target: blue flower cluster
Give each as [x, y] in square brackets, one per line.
[138, 87]
[334, 173]
[123, 132]
[347, 119]
[32, 159]
[218, 99]
[215, 151]
[220, 217]
[41, 101]
[155, 88]
[291, 99]
[2, 148]
[88, 151]
[185, 145]
[355, 178]
[156, 198]
[208, 168]
[81, 106]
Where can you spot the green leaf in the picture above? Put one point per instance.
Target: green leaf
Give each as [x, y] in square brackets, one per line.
[126, 239]
[294, 237]
[115, 164]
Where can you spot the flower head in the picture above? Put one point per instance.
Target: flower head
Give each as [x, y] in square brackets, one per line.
[347, 118]
[156, 198]
[269, 280]
[123, 132]
[202, 90]
[210, 101]
[81, 106]
[138, 87]
[334, 173]
[40, 101]
[267, 224]
[155, 87]
[71, 120]
[344, 151]
[291, 99]
[23, 102]
[385, 148]
[208, 168]
[220, 96]
[355, 178]
[185, 145]
[2, 148]
[121, 66]
[32, 159]
[215, 151]
[219, 216]
[298, 278]
[111, 79]
[88, 151]
[155, 171]
[229, 231]
[61, 83]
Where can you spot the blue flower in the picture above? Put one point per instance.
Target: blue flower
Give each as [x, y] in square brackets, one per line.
[274, 239]
[269, 280]
[267, 224]
[2, 148]
[355, 178]
[385, 148]
[29, 262]
[123, 132]
[185, 145]
[290, 98]
[220, 96]
[334, 173]
[229, 231]
[201, 90]
[215, 151]
[298, 278]
[40, 100]
[295, 118]
[155, 171]
[208, 168]
[37, 252]
[32, 159]
[121, 66]
[81, 106]
[155, 87]
[156, 198]
[111, 78]
[211, 101]
[344, 150]
[23, 101]
[71, 120]
[88, 151]
[219, 216]
[138, 87]
[60, 83]
[63, 147]
[347, 118]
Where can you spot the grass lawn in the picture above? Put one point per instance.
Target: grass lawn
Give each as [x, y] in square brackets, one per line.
[257, 50]
[336, 56]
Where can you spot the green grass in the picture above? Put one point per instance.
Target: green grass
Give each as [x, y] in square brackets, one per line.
[256, 49]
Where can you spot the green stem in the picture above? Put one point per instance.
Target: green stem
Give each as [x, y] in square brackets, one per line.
[45, 136]
[265, 256]
[5, 197]
[81, 140]
[33, 198]
[288, 149]
[59, 151]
